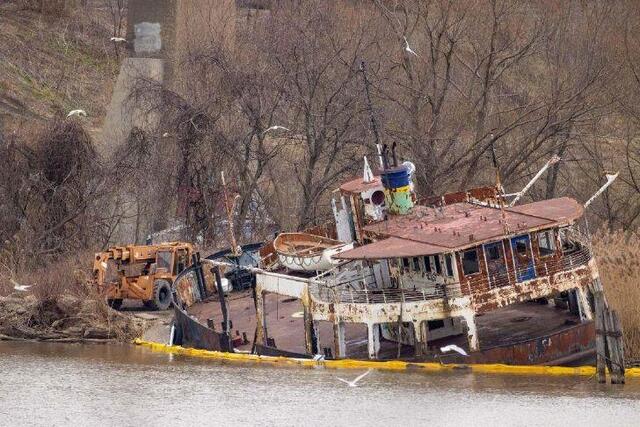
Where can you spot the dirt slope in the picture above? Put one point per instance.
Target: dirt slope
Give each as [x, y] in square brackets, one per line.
[49, 65]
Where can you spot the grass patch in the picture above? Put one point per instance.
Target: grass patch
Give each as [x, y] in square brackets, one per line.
[618, 257]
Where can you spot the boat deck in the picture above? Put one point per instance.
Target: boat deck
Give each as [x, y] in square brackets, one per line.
[285, 325]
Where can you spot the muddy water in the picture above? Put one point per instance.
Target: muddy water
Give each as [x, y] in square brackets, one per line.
[54, 384]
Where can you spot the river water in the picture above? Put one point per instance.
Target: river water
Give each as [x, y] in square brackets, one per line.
[58, 384]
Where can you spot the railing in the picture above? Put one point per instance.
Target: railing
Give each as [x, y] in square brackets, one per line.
[351, 295]
[543, 268]
[356, 291]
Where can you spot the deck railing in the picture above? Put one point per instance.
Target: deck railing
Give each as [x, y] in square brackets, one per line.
[542, 268]
[357, 291]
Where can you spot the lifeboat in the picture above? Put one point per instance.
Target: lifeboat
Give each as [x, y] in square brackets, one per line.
[308, 252]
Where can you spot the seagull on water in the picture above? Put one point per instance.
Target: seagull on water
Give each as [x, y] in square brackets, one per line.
[354, 383]
[118, 39]
[407, 48]
[275, 128]
[453, 347]
[77, 113]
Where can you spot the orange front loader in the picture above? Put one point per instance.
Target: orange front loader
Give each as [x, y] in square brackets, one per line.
[143, 273]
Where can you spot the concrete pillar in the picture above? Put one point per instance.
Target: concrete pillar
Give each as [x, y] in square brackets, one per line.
[421, 332]
[472, 332]
[373, 340]
[309, 333]
[261, 324]
[586, 312]
[339, 348]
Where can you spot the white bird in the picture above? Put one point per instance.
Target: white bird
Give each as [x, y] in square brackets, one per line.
[354, 382]
[407, 48]
[20, 288]
[165, 135]
[77, 113]
[275, 128]
[453, 347]
[118, 39]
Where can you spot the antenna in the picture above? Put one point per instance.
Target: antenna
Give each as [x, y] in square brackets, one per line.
[374, 124]
[505, 225]
[229, 209]
[610, 178]
[554, 159]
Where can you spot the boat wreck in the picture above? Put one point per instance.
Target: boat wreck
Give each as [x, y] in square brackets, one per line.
[461, 278]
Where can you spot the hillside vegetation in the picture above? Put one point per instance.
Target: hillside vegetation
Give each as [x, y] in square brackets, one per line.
[52, 64]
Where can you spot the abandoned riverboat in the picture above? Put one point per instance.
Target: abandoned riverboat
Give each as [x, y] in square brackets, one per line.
[461, 272]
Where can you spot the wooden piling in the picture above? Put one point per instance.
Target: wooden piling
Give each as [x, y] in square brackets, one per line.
[609, 340]
[614, 343]
[600, 337]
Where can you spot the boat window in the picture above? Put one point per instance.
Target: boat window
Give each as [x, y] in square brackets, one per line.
[436, 259]
[416, 263]
[449, 264]
[521, 248]
[427, 264]
[435, 324]
[546, 244]
[470, 263]
[493, 252]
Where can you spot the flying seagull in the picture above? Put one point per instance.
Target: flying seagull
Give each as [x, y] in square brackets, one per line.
[453, 347]
[407, 48]
[275, 128]
[354, 382]
[77, 113]
[118, 39]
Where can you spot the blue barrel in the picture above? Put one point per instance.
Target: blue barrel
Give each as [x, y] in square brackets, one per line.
[395, 177]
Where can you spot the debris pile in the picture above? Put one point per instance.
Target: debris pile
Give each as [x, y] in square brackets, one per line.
[64, 319]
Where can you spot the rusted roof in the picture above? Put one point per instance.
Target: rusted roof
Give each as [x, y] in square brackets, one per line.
[392, 247]
[459, 226]
[358, 185]
[560, 210]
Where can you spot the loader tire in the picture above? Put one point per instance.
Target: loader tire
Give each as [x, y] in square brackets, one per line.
[115, 303]
[161, 295]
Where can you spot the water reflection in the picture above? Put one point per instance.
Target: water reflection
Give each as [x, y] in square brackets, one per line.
[57, 384]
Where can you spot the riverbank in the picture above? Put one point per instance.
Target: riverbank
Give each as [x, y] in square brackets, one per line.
[72, 319]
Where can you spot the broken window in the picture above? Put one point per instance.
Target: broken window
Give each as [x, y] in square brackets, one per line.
[436, 259]
[449, 264]
[435, 324]
[416, 263]
[546, 244]
[493, 252]
[495, 261]
[521, 248]
[427, 264]
[405, 264]
[163, 260]
[470, 264]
